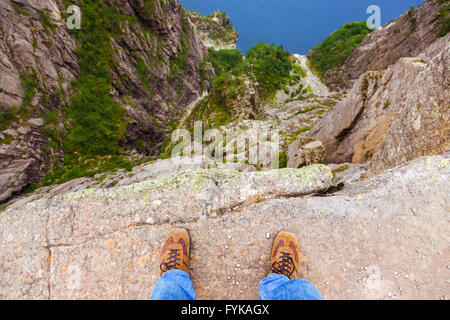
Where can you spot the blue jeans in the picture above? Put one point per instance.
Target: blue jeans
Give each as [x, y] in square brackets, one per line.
[176, 285]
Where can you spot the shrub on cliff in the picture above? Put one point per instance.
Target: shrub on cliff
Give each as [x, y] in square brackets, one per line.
[334, 50]
[226, 60]
[97, 123]
[444, 17]
[271, 66]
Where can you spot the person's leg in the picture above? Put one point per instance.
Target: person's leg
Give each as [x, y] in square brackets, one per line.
[174, 282]
[174, 285]
[280, 287]
[283, 282]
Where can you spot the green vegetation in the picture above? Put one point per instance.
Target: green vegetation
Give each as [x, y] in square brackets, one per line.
[302, 130]
[8, 116]
[30, 85]
[272, 68]
[283, 160]
[226, 61]
[307, 109]
[212, 110]
[35, 46]
[143, 72]
[298, 73]
[333, 51]
[292, 137]
[20, 8]
[295, 99]
[96, 121]
[177, 65]
[86, 167]
[13, 113]
[226, 86]
[46, 22]
[7, 139]
[229, 67]
[222, 16]
[413, 19]
[444, 17]
[267, 64]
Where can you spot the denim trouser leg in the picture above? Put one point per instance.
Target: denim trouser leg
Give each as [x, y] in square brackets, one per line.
[174, 285]
[279, 287]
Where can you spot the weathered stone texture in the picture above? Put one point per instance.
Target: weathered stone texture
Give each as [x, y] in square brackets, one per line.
[383, 238]
[304, 152]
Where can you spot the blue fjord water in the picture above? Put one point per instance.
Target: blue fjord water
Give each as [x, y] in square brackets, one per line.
[298, 25]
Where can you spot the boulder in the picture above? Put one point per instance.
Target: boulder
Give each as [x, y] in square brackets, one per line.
[348, 173]
[304, 152]
[14, 177]
[22, 159]
[153, 170]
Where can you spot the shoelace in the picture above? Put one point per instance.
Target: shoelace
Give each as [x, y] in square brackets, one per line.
[286, 266]
[172, 261]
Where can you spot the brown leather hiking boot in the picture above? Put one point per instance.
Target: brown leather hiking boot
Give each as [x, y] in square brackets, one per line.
[176, 251]
[285, 256]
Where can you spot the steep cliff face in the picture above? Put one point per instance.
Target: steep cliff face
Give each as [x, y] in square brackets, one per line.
[394, 115]
[37, 63]
[407, 36]
[162, 54]
[136, 65]
[422, 125]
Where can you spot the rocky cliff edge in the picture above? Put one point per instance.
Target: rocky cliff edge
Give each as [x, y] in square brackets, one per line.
[384, 238]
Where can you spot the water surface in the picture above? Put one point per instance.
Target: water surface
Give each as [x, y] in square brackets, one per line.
[298, 25]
